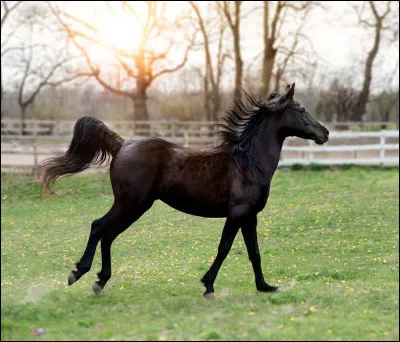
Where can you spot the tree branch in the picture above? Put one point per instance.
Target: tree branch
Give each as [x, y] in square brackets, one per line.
[95, 72]
[169, 70]
[275, 20]
[7, 10]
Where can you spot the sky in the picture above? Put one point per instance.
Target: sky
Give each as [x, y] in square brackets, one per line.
[337, 39]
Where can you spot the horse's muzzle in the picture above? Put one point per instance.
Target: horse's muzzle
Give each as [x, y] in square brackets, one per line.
[322, 138]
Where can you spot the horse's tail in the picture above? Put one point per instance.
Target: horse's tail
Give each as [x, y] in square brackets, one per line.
[91, 143]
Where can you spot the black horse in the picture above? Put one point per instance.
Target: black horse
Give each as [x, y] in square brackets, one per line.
[230, 180]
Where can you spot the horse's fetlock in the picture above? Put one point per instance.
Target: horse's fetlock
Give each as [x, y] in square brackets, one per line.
[104, 276]
[205, 280]
[82, 268]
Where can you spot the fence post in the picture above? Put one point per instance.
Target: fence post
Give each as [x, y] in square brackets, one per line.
[35, 156]
[310, 154]
[56, 127]
[133, 126]
[186, 139]
[173, 128]
[382, 150]
[355, 155]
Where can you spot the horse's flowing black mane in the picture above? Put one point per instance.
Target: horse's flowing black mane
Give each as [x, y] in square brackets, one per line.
[240, 126]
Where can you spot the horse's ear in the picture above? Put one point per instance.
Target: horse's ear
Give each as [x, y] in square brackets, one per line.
[290, 90]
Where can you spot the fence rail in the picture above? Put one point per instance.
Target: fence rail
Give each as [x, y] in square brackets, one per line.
[164, 128]
[350, 150]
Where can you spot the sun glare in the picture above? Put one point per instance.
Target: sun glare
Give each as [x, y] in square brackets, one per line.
[123, 31]
[120, 31]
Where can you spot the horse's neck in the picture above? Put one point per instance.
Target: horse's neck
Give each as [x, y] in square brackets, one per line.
[269, 146]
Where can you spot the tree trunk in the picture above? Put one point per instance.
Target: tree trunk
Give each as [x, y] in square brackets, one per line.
[1, 102]
[362, 101]
[268, 65]
[207, 109]
[22, 117]
[140, 108]
[140, 99]
[237, 94]
[277, 80]
[269, 51]
[238, 58]
[216, 104]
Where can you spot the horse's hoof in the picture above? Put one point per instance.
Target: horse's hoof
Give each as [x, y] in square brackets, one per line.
[210, 295]
[72, 278]
[97, 288]
[269, 289]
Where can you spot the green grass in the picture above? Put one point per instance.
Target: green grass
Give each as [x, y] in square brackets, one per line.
[330, 238]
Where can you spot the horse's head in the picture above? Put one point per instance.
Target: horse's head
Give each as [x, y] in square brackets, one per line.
[296, 120]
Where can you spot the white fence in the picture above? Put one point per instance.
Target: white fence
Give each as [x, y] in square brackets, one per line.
[343, 148]
[165, 128]
[380, 157]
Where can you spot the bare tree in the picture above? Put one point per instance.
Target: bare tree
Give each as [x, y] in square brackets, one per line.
[297, 56]
[32, 78]
[35, 65]
[232, 12]
[139, 67]
[385, 103]
[7, 8]
[213, 72]
[377, 22]
[273, 22]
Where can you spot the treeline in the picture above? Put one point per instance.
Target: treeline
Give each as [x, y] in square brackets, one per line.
[132, 60]
[70, 103]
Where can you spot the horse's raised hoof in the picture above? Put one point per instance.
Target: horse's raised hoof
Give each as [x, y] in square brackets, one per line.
[97, 288]
[268, 288]
[210, 295]
[72, 278]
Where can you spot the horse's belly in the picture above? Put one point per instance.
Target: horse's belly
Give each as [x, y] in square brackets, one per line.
[196, 206]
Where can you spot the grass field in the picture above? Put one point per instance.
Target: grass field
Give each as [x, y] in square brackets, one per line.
[329, 238]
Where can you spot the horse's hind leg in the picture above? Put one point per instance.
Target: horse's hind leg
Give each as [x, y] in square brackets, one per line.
[107, 228]
[84, 264]
[120, 223]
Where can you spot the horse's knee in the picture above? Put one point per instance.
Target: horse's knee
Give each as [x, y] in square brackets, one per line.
[96, 224]
[97, 228]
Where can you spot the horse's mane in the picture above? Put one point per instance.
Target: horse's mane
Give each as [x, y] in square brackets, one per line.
[240, 126]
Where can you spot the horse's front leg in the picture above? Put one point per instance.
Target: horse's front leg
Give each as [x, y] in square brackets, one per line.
[228, 235]
[249, 231]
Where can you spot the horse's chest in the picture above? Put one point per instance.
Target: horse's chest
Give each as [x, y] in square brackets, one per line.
[249, 198]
